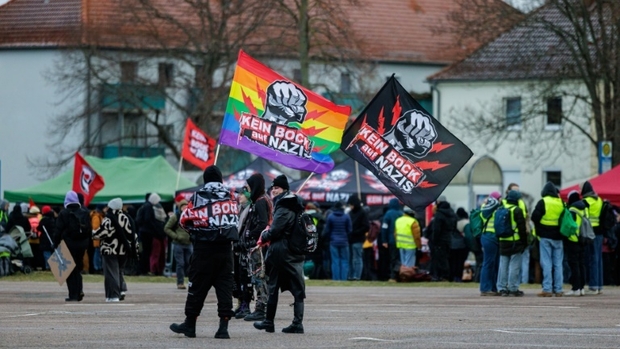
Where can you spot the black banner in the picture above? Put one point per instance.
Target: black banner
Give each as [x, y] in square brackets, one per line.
[410, 152]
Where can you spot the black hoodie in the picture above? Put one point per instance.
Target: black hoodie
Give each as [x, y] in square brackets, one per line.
[260, 213]
[444, 223]
[545, 231]
[359, 221]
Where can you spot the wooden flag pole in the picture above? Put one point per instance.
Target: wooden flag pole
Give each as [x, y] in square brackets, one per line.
[304, 183]
[357, 175]
[217, 153]
[179, 172]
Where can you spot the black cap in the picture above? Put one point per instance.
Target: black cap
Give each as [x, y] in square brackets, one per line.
[281, 182]
[212, 174]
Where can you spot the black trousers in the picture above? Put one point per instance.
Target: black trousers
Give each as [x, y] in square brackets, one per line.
[457, 261]
[210, 268]
[74, 281]
[576, 258]
[440, 267]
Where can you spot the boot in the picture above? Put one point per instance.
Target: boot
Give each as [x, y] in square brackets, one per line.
[257, 315]
[222, 332]
[298, 317]
[267, 324]
[188, 327]
[238, 306]
[244, 310]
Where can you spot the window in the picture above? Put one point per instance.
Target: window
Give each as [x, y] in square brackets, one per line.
[129, 71]
[166, 71]
[554, 111]
[554, 177]
[297, 75]
[513, 112]
[345, 83]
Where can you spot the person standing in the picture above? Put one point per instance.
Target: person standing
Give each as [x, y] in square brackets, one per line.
[337, 230]
[4, 213]
[181, 243]
[117, 237]
[49, 223]
[359, 228]
[211, 218]
[407, 237]
[594, 252]
[511, 248]
[546, 216]
[68, 229]
[490, 246]
[575, 248]
[444, 223]
[284, 268]
[96, 217]
[388, 240]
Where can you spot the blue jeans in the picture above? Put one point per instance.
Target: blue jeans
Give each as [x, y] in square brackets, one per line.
[407, 257]
[97, 262]
[490, 262]
[509, 274]
[46, 256]
[182, 253]
[594, 255]
[357, 262]
[525, 266]
[340, 262]
[551, 258]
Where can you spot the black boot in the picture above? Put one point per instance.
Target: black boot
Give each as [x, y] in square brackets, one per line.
[298, 313]
[244, 311]
[222, 332]
[188, 327]
[267, 324]
[257, 315]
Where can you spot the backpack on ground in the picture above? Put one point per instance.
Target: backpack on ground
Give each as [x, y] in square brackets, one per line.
[304, 237]
[80, 227]
[568, 226]
[586, 232]
[503, 223]
[373, 231]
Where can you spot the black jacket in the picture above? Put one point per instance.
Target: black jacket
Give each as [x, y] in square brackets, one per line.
[545, 231]
[16, 217]
[49, 222]
[359, 222]
[444, 223]
[285, 270]
[63, 232]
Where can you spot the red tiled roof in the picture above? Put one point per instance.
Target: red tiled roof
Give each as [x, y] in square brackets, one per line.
[391, 30]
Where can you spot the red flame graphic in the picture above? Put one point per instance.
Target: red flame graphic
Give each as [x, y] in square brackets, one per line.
[261, 93]
[380, 128]
[437, 147]
[248, 103]
[430, 165]
[426, 184]
[313, 131]
[396, 111]
[315, 114]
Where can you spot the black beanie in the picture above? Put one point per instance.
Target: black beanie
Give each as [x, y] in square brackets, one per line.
[281, 182]
[212, 174]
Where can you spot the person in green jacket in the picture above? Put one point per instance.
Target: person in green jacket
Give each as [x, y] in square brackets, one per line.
[181, 243]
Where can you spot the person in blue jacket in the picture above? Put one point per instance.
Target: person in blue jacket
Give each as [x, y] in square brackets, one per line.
[337, 229]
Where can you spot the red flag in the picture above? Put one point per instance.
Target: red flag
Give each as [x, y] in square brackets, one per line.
[198, 148]
[85, 180]
[30, 203]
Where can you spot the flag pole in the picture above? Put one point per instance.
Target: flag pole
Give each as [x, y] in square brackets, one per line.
[357, 175]
[52, 242]
[304, 183]
[217, 153]
[179, 172]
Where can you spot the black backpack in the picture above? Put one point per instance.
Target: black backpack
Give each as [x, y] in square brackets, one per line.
[607, 219]
[304, 237]
[79, 226]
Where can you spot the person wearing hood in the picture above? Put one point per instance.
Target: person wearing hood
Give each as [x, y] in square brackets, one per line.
[181, 243]
[259, 216]
[574, 248]
[594, 252]
[490, 246]
[284, 268]
[211, 218]
[67, 230]
[359, 227]
[387, 239]
[546, 218]
[17, 218]
[337, 229]
[444, 223]
[511, 249]
[46, 228]
[117, 236]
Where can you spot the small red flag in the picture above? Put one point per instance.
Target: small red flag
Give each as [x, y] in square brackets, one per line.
[198, 148]
[85, 180]
[30, 203]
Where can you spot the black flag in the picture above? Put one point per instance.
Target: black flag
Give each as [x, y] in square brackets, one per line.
[405, 147]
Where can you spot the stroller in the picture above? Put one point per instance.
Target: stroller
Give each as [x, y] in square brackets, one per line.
[22, 251]
[8, 247]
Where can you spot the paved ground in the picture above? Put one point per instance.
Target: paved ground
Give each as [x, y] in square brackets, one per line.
[34, 315]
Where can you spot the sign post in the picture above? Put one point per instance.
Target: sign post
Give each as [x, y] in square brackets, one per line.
[604, 156]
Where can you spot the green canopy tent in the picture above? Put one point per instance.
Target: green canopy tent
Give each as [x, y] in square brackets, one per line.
[125, 177]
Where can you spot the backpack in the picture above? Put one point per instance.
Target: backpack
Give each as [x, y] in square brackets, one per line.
[477, 224]
[304, 237]
[472, 242]
[568, 226]
[586, 232]
[503, 223]
[373, 231]
[607, 219]
[80, 227]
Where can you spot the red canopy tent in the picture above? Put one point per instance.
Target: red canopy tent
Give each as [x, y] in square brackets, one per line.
[606, 185]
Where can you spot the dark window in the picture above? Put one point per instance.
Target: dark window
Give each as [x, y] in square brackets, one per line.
[129, 71]
[166, 71]
[554, 111]
[297, 75]
[345, 83]
[554, 177]
[513, 111]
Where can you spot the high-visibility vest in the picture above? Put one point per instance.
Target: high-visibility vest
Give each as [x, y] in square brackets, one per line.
[513, 224]
[404, 236]
[553, 209]
[490, 225]
[594, 211]
[521, 205]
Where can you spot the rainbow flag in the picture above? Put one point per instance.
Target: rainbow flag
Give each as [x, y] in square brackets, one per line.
[276, 119]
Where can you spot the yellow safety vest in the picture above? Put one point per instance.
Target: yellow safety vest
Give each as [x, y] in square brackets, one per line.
[513, 224]
[521, 205]
[404, 236]
[490, 225]
[553, 209]
[594, 211]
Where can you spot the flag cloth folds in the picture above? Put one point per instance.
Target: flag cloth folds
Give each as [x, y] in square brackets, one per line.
[274, 118]
[405, 147]
[198, 147]
[85, 180]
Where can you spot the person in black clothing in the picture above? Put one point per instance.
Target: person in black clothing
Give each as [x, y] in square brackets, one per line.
[284, 269]
[360, 225]
[211, 264]
[49, 223]
[17, 218]
[77, 243]
[145, 237]
[444, 223]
